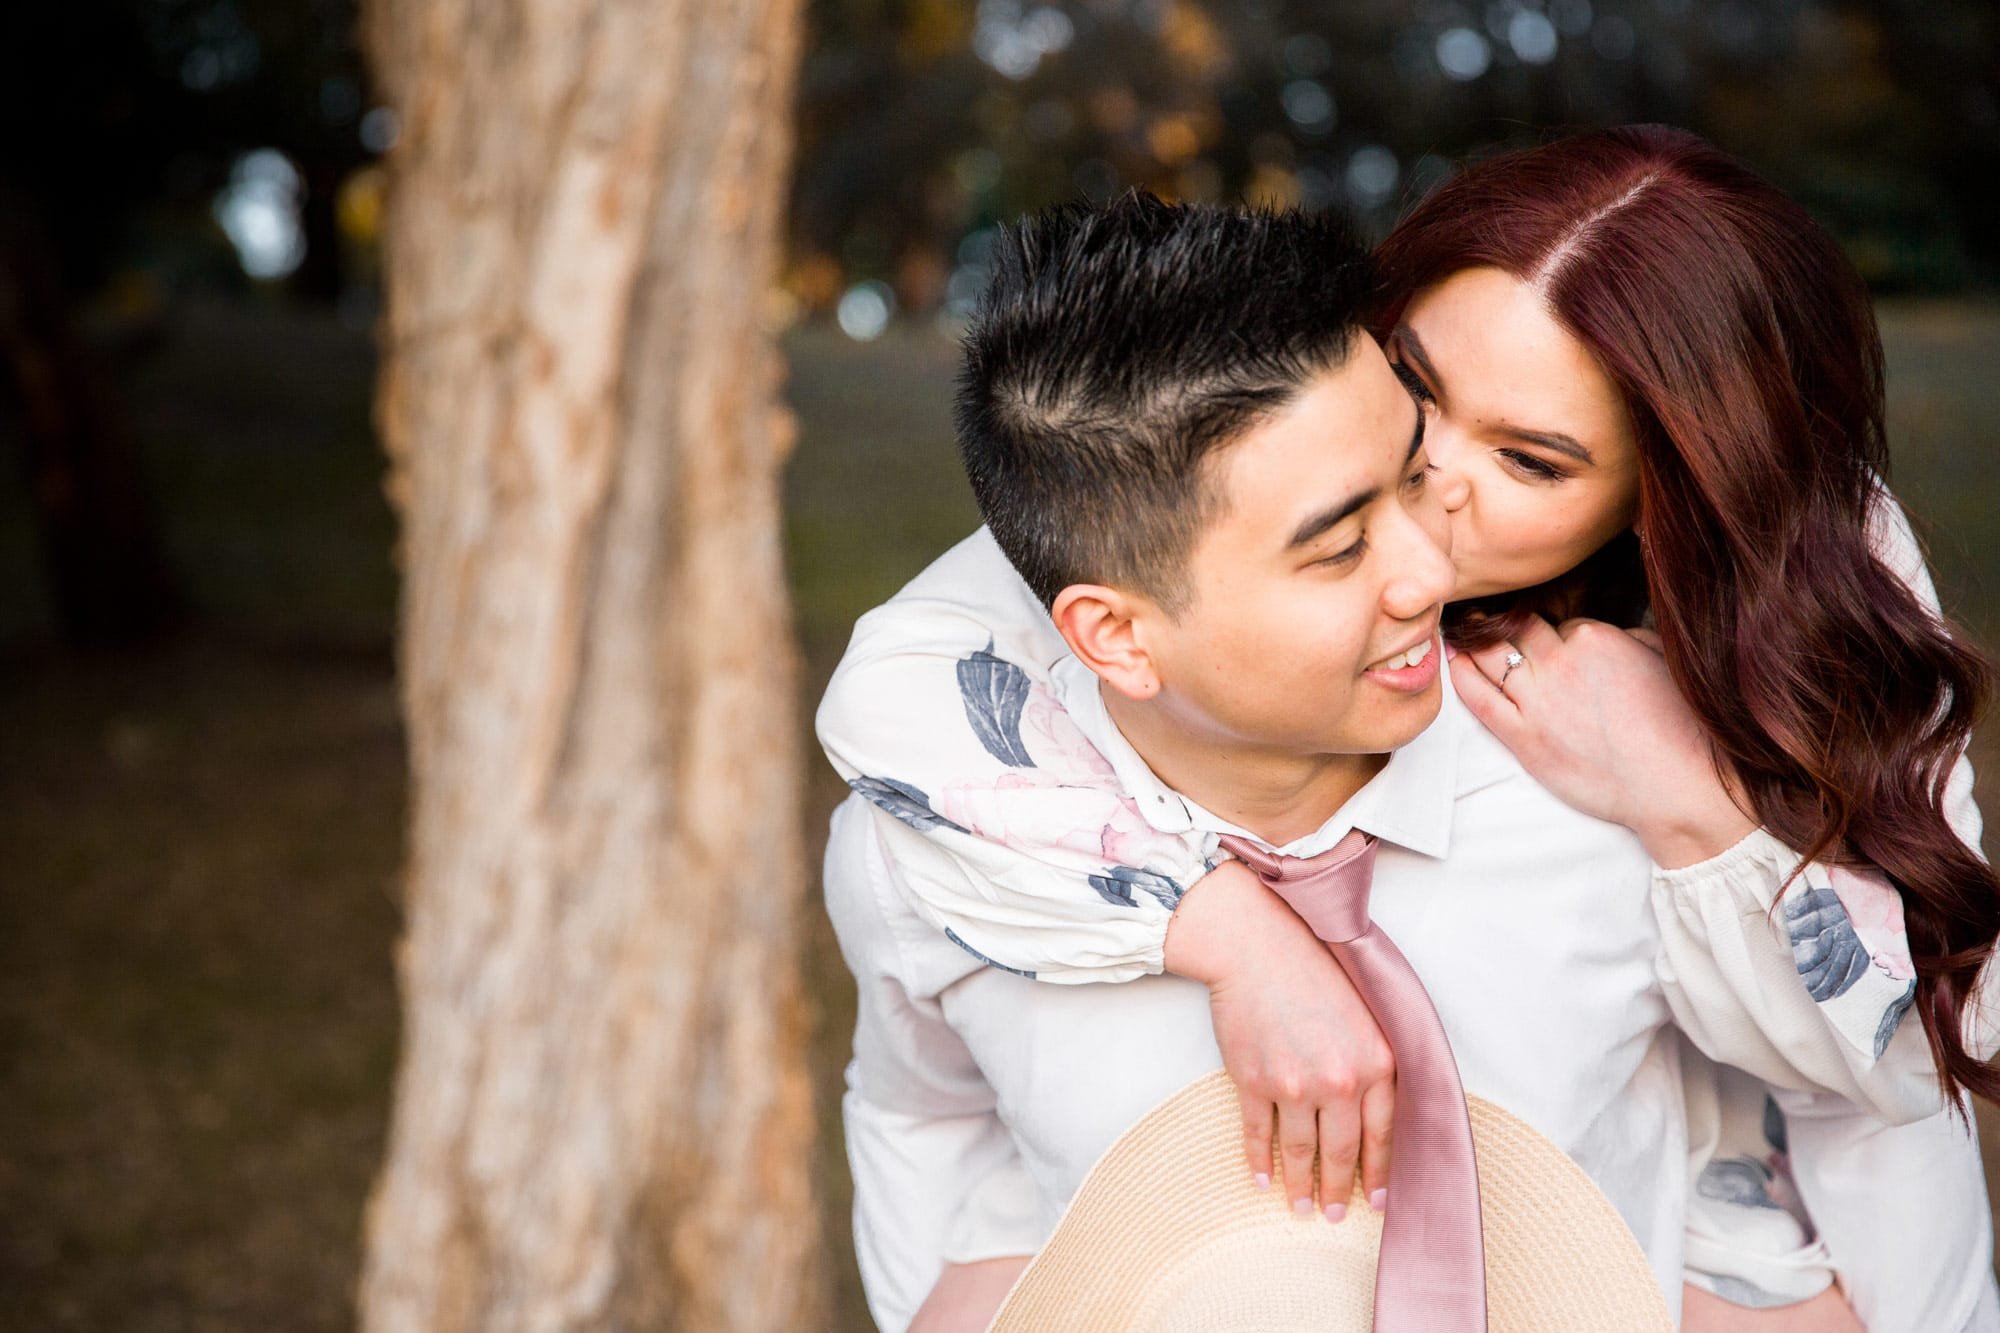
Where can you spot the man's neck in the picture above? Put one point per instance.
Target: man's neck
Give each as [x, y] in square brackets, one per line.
[1279, 796]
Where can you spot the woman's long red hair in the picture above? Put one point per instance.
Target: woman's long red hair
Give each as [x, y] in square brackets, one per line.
[1745, 347]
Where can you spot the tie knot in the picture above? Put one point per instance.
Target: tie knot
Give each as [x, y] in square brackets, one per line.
[1328, 891]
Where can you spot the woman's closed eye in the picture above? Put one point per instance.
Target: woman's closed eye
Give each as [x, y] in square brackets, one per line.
[1532, 467]
[1414, 383]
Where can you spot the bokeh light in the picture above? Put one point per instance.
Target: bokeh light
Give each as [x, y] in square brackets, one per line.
[259, 211]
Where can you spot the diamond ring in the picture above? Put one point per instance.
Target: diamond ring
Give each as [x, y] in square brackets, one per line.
[1509, 662]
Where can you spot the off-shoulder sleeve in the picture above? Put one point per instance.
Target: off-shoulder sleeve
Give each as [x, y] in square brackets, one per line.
[1013, 835]
[1802, 975]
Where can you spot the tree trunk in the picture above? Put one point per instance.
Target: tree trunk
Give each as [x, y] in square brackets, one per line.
[602, 1113]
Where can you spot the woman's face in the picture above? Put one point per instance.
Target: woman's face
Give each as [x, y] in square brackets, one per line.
[1531, 450]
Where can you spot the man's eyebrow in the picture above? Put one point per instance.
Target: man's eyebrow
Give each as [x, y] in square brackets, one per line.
[1331, 516]
[1412, 346]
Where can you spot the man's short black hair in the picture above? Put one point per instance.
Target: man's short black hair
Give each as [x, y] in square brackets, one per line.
[1115, 349]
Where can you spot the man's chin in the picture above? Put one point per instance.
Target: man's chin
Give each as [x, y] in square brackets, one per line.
[1402, 719]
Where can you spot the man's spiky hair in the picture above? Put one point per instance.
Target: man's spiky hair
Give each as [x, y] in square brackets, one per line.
[1116, 348]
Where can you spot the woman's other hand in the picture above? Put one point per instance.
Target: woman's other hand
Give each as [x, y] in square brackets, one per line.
[1296, 1037]
[1593, 715]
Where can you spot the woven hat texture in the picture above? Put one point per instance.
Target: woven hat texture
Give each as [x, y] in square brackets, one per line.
[1169, 1235]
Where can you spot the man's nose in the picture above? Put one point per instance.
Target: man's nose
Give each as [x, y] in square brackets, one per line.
[1424, 577]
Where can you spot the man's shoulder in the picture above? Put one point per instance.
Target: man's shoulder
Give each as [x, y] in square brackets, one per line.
[967, 600]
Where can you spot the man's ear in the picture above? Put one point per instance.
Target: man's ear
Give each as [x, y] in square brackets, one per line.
[1105, 628]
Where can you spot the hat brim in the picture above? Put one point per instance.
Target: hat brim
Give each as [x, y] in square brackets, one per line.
[1168, 1235]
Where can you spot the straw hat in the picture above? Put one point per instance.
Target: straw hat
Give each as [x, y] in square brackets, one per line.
[1168, 1235]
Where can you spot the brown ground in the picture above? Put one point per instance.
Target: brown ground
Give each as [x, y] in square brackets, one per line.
[197, 1012]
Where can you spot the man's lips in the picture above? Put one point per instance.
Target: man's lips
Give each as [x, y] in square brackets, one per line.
[1399, 672]
[1409, 655]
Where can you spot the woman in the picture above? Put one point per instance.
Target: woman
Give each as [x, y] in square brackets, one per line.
[1655, 385]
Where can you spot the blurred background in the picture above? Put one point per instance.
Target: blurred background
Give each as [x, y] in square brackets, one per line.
[201, 763]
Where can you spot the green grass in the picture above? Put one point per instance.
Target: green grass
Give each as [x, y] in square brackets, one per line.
[197, 1006]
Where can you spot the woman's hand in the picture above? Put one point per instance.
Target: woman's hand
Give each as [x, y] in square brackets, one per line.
[1295, 1036]
[1592, 714]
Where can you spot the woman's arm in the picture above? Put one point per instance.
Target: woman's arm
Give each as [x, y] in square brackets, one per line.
[1798, 973]
[1014, 836]
[1021, 841]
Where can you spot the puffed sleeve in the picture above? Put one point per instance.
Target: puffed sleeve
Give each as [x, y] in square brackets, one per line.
[937, 1176]
[1809, 996]
[1803, 975]
[1013, 834]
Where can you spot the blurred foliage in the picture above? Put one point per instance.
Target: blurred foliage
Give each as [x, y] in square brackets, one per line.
[125, 118]
[921, 121]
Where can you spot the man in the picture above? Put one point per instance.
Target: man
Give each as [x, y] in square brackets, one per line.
[1211, 481]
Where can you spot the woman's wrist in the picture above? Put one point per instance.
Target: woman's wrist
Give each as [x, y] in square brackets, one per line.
[1226, 918]
[1693, 830]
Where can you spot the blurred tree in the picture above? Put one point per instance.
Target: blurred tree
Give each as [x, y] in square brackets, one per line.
[62, 199]
[602, 1112]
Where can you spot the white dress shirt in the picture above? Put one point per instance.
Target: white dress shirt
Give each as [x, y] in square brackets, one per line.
[1533, 926]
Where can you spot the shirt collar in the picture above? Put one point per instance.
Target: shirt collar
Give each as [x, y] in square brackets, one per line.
[1409, 803]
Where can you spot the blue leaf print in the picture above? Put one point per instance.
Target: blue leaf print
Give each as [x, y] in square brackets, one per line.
[1829, 955]
[1893, 1016]
[995, 692]
[904, 802]
[1738, 1180]
[1743, 1292]
[952, 935]
[1116, 885]
[1774, 1126]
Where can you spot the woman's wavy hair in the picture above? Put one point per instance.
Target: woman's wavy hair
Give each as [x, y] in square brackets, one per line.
[1745, 347]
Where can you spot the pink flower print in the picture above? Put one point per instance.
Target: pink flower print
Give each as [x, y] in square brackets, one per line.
[1876, 911]
[1027, 809]
[1129, 840]
[1059, 745]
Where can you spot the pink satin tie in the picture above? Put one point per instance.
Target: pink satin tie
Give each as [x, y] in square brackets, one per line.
[1431, 1277]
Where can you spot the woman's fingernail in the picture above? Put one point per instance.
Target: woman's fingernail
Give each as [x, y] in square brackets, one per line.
[1303, 1207]
[1336, 1211]
[1263, 1179]
[1378, 1200]
[1450, 653]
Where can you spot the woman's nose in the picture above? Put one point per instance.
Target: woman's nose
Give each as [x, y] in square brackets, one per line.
[1447, 475]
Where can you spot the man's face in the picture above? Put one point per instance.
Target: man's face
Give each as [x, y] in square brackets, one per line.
[1328, 562]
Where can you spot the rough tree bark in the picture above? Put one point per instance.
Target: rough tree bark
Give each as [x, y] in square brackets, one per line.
[602, 1113]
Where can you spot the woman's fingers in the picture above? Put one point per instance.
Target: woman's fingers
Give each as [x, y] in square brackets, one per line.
[1537, 638]
[1483, 699]
[1339, 1146]
[1378, 1107]
[1298, 1137]
[1650, 638]
[1257, 1117]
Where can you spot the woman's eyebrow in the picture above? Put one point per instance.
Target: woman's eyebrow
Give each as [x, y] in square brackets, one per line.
[1562, 444]
[1413, 347]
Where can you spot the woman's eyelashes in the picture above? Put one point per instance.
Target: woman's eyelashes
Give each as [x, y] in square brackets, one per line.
[1532, 467]
[1413, 382]
[1526, 465]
